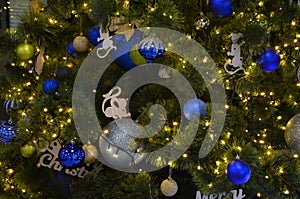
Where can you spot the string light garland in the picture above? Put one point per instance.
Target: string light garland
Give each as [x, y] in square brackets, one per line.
[256, 127]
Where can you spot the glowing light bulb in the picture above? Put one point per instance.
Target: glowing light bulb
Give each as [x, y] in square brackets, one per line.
[281, 170]
[295, 156]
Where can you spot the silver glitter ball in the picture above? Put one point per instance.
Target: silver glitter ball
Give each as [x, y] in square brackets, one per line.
[292, 133]
[118, 146]
[202, 22]
[119, 132]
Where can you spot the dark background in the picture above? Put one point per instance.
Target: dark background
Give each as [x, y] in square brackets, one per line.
[4, 16]
[4, 24]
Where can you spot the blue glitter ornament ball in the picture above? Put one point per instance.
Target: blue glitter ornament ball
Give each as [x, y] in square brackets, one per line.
[8, 131]
[238, 172]
[71, 50]
[50, 86]
[193, 108]
[71, 155]
[151, 48]
[269, 60]
[221, 8]
[93, 35]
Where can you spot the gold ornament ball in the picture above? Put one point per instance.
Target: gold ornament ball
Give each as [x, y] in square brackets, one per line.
[90, 153]
[27, 150]
[169, 187]
[81, 44]
[136, 56]
[25, 51]
[292, 133]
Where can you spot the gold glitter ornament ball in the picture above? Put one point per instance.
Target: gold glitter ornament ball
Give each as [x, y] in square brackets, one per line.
[292, 133]
[90, 153]
[81, 44]
[169, 187]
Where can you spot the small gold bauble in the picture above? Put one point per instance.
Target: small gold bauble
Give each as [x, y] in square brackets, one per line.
[81, 44]
[169, 187]
[27, 150]
[90, 153]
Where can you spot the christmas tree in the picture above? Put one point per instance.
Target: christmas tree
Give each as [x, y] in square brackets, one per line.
[83, 84]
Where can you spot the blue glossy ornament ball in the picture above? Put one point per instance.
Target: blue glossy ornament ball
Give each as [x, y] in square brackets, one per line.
[221, 8]
[93, 36]
[8, 131]
[71, 155]
[194, 108]
[71, 50]
[121, 56]
[269, 60]
[50, 86]
[238, 172]
[151, 48]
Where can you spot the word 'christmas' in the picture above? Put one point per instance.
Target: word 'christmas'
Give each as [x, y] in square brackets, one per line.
[50, 159]
[236, 194]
